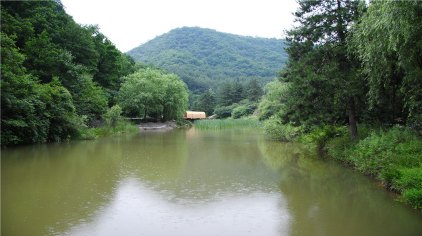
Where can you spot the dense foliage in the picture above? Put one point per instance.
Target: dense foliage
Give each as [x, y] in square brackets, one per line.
[349, 64]
[388, 42]
[204, 58]
[151, 93]
[393, 156]
[56, 76]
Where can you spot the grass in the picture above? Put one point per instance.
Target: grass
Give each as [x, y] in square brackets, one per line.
[120, 128]
[220, 124]
[393, 156]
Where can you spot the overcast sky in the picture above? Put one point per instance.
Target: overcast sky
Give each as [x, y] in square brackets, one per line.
[129, 23]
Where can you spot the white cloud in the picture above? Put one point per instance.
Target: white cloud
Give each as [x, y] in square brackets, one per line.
[128, 23]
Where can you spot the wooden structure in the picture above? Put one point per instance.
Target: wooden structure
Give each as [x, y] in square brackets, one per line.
[194, 115]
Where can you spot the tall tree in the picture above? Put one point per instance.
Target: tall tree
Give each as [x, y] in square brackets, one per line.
[225, 95]
[238, 92]
[207, 102]
[323, 85]
[253, 90]
[388, 41]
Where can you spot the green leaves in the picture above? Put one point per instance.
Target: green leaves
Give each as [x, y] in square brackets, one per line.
[323, 85]
[388, 41]
[55, 74]
[149, 93]
[204, 58]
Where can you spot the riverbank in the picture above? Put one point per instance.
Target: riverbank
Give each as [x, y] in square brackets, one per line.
[124, 127]
[393, 156]
[390, 155]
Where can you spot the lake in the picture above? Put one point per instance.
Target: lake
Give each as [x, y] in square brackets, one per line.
[191, 182]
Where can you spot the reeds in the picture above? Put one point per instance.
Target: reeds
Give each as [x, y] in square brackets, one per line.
[219, 124]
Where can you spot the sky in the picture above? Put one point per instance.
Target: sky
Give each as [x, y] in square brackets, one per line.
[130, 23]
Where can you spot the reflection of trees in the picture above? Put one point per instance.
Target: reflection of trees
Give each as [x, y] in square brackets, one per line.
[327, 199]
[64, 183]
[202, 164]
[55, 185]
[156, 156]
[277, 155]
[59, 184]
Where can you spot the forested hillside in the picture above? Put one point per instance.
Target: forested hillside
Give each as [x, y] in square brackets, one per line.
[204, 58]
[56, 76]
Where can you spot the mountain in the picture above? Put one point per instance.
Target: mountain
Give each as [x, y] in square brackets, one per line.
[205, 58]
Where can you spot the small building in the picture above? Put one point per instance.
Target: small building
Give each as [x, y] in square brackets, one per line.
[194, 115]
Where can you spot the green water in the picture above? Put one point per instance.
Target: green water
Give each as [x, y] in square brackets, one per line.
[190, 182]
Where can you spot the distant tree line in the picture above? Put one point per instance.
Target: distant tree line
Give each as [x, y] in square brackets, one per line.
[230, 96]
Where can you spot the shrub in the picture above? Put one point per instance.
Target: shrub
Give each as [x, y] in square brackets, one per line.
[408, 178]
[320, 136]
[243, 110]
[112, 116]
[413, 197]
[391, 149]
[285, 132]
[225, 111]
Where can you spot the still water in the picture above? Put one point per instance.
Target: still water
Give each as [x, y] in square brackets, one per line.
[190, 182]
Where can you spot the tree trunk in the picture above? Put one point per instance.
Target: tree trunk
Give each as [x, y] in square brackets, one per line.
[352, 118]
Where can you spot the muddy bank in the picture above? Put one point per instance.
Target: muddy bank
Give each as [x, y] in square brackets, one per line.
[158, 126]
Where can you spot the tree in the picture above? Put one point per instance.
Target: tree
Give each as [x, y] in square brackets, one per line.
[225, 96]
[47, 69]
[89, 98]
[32, 112]
[59, 111]
[206, 102]
[253, 90]
[274, 99]
[151, 93]
[113, 115]
[237, 93]
[20, 103]
[324, 88]
[388, 41]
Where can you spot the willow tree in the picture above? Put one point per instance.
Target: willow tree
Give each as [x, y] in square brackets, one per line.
[388, 41]
[323, 86]
[152, 93]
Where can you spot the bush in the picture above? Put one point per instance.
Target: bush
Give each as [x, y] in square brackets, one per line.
[408, 178]
[320, 136]
[285, 132]
[413, 197]
[381, 151]
[339, 148]
[225, 111]
[112, 116]
[393, 156]
[243, 110]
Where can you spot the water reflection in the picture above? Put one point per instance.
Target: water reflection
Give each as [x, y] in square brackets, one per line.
[131, 213]
[326, 199]
[190, 183]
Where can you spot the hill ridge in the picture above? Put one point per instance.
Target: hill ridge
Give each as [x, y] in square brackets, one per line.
[205, 58]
